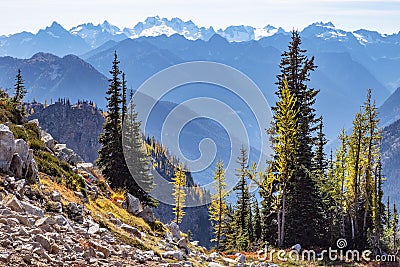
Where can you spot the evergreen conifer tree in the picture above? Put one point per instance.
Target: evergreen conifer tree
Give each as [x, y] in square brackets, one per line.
[179, 182]
[243, 207]
[111, 158]
[218, 208]
[19, 88]
[304, 200]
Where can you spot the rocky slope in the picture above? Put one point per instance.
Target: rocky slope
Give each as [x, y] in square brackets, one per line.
[76, 219]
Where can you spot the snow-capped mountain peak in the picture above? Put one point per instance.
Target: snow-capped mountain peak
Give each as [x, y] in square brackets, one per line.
[96, 35]
[155, 26]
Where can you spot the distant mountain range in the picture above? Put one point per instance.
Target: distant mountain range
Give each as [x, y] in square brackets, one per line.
[49, 77]
[349, 62]
[75, 64]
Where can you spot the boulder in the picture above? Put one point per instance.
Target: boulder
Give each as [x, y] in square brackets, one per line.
[132, 204]
[16, 166]
[174, 254]
[183, 243]
[75, 212]
[7, 147]
[174, 228]
[67, 155]
[147, 214]
[93, 229]
[13, 203]
[214, 255]
[21, 147]
[32, 172]
[56, 196]
[5, 257]
[48, 139]
[20, 187]
[43, 241]
[32, 209]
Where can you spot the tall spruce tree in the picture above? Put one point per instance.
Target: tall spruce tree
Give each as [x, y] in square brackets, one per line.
[124, 98]
[395, 227]
[257, 220]
[111, 158]
[131, 172]
[140, 181]
[242, 213]
[304, 201]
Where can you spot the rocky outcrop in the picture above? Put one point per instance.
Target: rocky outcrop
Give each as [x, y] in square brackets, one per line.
[16, 159]
[66, 154]
[77, 126]
[7, 147]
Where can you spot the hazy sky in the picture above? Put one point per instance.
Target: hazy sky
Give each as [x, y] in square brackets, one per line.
[31, 15]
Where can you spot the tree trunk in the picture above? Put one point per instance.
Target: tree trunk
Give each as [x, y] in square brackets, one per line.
[283, 217]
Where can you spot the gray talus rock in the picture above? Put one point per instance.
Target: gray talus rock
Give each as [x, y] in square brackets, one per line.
[43, 241]
[7, 147]
[132, 204]
[56, 196]
[13, 203]
[147, 214]
[32, 209]
[174, 228]
[21, 147]
[48, 139]
[175, 254]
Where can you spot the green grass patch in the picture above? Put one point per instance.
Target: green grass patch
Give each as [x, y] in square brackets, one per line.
[52, 166]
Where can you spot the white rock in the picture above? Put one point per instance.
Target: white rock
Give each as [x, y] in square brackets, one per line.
[174, 228]
[32, 209]
[48, 139]
[132, 204]
[175, 254]
[5, 257]
[7, 147]
[214, 255]
[93, 229]
[21, 147]
[13, 203]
